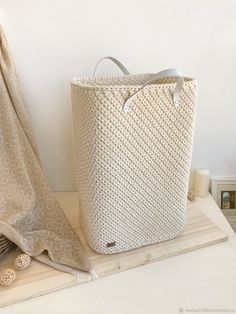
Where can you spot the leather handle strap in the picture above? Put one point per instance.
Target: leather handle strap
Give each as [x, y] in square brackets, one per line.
[155, 77]
[114, 60]
[152, 79]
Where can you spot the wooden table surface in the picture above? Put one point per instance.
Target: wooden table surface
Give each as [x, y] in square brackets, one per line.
[202, 280]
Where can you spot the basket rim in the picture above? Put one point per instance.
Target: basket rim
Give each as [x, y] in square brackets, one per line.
[85, 82]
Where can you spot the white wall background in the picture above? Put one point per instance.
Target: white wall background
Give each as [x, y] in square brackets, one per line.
[54, 40]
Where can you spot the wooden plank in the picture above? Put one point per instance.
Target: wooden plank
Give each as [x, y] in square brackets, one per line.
[40, 279]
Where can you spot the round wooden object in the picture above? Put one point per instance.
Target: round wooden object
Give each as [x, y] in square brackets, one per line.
[191, 196]
[22, 261]
[7, 277]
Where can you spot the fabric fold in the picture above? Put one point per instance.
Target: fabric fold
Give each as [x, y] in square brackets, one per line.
[30, 216]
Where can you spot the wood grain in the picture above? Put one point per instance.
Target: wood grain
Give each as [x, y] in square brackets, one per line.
[40, 279]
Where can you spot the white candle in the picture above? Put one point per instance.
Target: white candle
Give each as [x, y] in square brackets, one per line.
[201, 182]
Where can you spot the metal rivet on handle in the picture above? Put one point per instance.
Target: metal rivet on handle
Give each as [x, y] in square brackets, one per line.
[176, 102]
[127, 104]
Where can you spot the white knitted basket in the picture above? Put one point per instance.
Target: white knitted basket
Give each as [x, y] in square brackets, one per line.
[132, 147]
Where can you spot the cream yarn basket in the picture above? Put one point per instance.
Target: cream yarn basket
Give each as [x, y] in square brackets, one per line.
[132, 147]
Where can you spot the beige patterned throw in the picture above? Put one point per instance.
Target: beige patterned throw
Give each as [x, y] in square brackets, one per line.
[30, 216]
